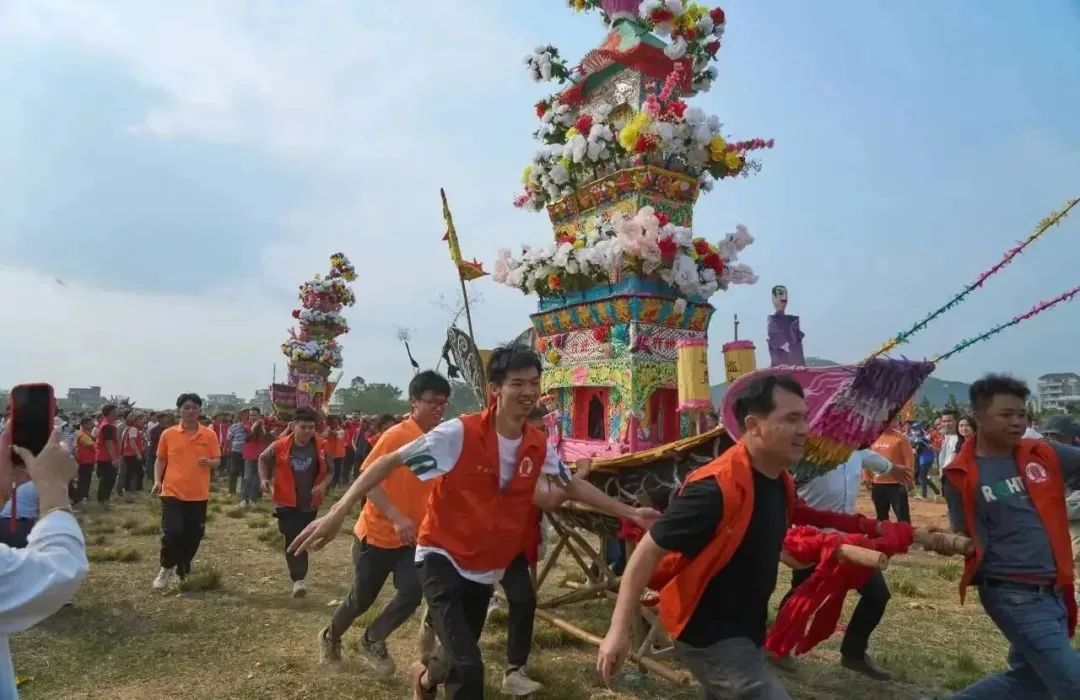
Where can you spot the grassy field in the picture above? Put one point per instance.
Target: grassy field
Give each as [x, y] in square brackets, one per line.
[243, 636]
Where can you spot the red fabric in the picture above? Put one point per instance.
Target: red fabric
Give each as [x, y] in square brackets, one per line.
[831, 520]
[629, 531]
[811, 615]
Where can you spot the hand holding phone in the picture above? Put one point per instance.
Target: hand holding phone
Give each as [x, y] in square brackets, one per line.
[33, 410]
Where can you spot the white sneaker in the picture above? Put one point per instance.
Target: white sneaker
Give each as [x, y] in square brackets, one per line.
[517, 682]
[165, 578]
[299, 589]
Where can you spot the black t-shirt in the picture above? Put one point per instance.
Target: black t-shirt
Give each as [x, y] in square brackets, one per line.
[735, 603]
[108, 432]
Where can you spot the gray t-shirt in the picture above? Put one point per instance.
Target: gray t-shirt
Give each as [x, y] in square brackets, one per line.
[1015, 541]
[304, 462]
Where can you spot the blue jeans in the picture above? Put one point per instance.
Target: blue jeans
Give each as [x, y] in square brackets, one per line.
[1042, 661]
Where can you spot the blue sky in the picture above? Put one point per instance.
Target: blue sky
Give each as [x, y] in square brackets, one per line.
[182, 168]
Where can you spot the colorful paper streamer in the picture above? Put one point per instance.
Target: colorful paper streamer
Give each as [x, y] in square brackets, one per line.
[1034, 311]
[1044, 226]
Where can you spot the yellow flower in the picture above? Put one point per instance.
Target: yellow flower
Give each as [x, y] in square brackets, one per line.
[579, 244]
[571, 133]
[732, 161]
[693, 13]
[527, 175]
[567, 162]
[717, 147]
[579, 5]
[629, 134]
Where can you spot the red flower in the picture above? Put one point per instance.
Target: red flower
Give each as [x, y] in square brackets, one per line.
[712, 47]
[646, 143]
[601, 334]
[668, 248]
[701, 247]
[676, 108]
[296, 313]
[717, 15]
[663, 218]
[541, 107]
[714, 261]
[690, 34]
[661, 15]
[583, 125]
[555, 282]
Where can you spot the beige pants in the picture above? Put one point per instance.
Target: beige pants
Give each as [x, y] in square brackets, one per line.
[1074, 530]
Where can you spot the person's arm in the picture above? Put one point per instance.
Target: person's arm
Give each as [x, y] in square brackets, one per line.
[215, 456]
[138, 444]
[405, 528]
[266, 468]
[874, 463]
[111, 443]
[583, 491]
[616, 645]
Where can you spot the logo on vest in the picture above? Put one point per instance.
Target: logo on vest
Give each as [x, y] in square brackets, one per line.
[1036, 472]
[525, 469]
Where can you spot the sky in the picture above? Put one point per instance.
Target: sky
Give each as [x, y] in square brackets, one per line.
[170, 172]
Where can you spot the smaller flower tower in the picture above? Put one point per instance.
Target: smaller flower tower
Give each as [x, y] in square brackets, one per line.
[622, 161]
[312, 351]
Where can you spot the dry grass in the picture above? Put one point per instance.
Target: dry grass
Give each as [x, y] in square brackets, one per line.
[102, 554]
[248, 639]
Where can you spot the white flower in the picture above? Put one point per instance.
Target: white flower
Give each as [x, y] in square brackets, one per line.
[676, 49]
[679, 306]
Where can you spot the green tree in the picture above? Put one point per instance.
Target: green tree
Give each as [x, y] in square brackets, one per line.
[462, 399]
[373, 399]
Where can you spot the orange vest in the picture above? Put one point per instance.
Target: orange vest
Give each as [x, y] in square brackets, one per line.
[102, 444]
[408, 493]
[1037, 464]
[680, 580]
[85, 454]
[468, 515]
[130, 443]
[285, 482]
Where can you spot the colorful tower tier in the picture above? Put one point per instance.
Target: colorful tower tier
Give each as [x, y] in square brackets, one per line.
[626, 281]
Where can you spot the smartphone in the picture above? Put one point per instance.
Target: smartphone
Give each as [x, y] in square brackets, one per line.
[33, 410]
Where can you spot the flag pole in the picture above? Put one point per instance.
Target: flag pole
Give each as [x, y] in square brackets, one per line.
[455, 255]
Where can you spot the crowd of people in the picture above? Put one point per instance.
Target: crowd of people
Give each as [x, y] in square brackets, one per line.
[452, 507]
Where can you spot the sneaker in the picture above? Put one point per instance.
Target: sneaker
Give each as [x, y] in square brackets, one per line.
[516, 682]
[299, 589]
[376, 656]
[165, 579]
[329, 648]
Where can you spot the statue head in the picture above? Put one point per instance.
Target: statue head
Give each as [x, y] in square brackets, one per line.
[779, 298]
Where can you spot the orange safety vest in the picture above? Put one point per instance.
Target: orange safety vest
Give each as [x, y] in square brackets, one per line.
[130, 443]
[681, 580]
[101, 443]
[468, 515]
[85, 454]
[1037, 464]
[284, 481]
[408, 493]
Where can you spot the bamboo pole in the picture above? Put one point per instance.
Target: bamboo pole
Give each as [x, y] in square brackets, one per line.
[946, 543]
[650, 665]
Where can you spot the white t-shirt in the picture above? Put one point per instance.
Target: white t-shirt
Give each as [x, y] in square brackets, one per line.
[948, 450]
[437, 451]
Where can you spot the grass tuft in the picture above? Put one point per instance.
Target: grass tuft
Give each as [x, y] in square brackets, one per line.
[202, 581]
[907, 588]
[101, 554]
[950, 571]
[237, 512]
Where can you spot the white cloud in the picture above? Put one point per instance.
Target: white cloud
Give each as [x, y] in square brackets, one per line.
[346, 93]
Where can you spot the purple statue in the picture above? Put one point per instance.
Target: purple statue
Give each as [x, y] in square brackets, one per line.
[785, 338]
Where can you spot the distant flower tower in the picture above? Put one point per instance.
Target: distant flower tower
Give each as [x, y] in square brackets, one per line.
[622, 162]
[313, 351]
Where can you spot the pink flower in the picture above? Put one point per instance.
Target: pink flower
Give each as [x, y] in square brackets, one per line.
[580, 375]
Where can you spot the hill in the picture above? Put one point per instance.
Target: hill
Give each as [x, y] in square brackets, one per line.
[936, 391]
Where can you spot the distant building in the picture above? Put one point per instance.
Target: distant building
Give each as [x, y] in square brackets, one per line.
[337, 402]
[262, 400]
[89, 397]
[1059, 391]
[219, 402]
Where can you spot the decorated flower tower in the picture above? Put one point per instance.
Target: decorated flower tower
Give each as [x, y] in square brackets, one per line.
[626, 281]
[312, 350]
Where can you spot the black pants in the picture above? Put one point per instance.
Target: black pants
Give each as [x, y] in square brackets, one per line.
[337, 476]
[886, 496]
[106, 475]
[349, 467]
[234, 462]
[82, 483]
[133, 473]
[13, 533]
[521, 599]
[291, 522]
[183, 524]
[371, 566]
[458, 608]
[873, 597]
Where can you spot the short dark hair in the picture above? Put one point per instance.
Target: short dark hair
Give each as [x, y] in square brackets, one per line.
[108, 409]
[511, 358]
[950, 412]
[387, 418]
[984, 390]
[86, 420]
[756, 398]
[428, 380]
[304, 415]
[778, 288]
[184, 398]
[256, 409]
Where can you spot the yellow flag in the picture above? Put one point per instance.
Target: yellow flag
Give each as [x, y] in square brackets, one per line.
[467, 270]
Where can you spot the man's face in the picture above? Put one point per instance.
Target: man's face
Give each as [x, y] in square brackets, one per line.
[254, 415]
[429, 407]
[779, 299]
[189, 412]
[784, 431]
[304, 431]
[519, 392]
[1003, 420]
[947, 424]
